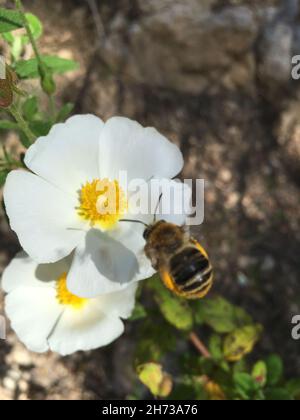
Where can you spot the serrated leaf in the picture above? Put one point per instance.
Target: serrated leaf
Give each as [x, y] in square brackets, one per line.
[241, 342]
[30, 108]
[29, 69]
[155, 379]
[259, 373]
[176, 311]
[10, 20]
[275, 369]
[221, 315]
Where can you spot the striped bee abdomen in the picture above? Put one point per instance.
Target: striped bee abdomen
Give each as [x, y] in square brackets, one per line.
[191, 271]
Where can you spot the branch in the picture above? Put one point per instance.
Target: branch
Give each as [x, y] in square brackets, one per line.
[199, 345]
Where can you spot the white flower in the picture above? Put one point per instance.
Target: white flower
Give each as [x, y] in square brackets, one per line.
[53, 210]
[45, 315]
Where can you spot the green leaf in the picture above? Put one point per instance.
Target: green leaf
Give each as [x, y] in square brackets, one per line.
[64, 112]
[40, 128]
[30, 108]
[16, 48]
[24, 140]
[155, 340]
[215, 346]
[139, 312]
[277, 394]
[8, 125]
[29, 69]
[245, 384]
[36, 27]
[221, 315]
[155, 379]
[275, 369]
[259, 373]
[241, 342]
[3, 175]
[189, 388]
[8, 37]
[176, 311]
[10, 20]
[293, 388]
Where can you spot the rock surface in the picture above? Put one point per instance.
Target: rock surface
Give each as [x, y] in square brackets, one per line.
[195, 45]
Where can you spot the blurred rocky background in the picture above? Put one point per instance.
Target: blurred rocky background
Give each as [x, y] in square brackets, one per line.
[215, 77]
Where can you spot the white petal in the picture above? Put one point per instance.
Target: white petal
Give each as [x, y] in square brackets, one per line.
[24, 272]
[174, 205]
[120, 304]
[42, 216]
[85, 330]
[143, 152]
[131, 236]
[101, 265]
[33, 313]
[68, 155]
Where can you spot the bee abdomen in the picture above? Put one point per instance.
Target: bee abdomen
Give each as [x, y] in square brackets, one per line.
[191, 271]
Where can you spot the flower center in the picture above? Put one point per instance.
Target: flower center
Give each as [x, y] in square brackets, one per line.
[65, 297]
[102, 202]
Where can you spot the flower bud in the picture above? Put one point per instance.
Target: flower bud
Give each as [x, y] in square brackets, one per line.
[47, 81]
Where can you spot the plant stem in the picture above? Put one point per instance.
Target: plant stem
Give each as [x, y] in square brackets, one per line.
[41, 64]
[22, 123]
[20, 9]
[52, 107]
[199, 345]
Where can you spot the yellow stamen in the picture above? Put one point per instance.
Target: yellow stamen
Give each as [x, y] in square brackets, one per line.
[102, 203]
[65, 297]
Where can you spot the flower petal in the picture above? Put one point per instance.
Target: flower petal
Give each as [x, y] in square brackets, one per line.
[33, 313]
[101, 265]
[42, 216]
[131, 236]
[68, 156]
[85, 330]
[120, 304]
[143, 152]
[23, 271]
[174, 205]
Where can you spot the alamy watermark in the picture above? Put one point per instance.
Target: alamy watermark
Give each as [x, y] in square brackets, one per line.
[158, 197]
[296, 328]
[296, 67]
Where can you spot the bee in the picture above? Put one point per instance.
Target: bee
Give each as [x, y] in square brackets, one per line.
[183, 264]
[181, 261]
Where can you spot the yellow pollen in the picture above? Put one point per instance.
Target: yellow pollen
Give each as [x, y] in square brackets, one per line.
[65, 297]
[102, 203]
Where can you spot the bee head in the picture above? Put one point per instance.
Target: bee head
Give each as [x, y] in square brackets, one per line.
[149, 229]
